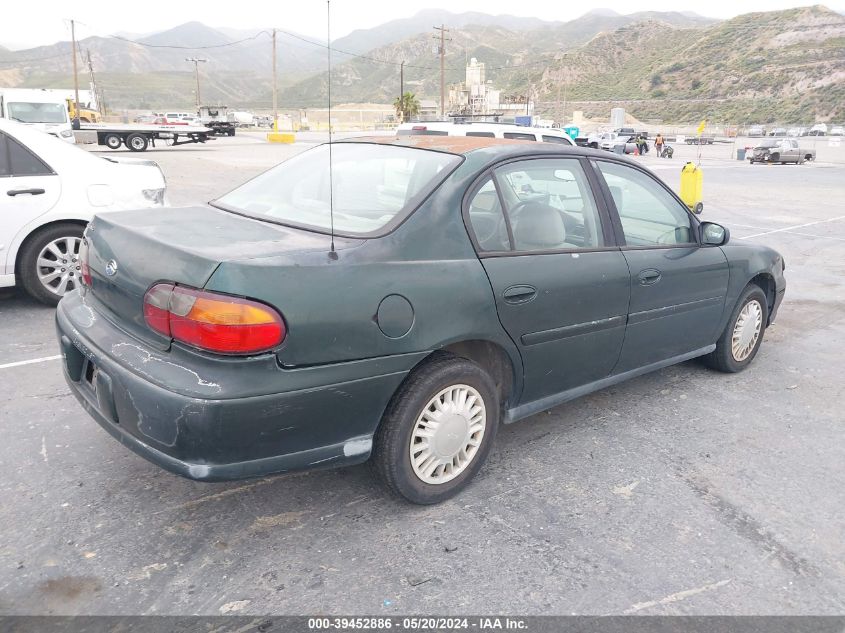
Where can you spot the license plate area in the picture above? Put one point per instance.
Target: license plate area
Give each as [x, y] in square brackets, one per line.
[90, 375]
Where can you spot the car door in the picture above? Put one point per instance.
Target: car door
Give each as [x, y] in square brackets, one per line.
[677, 286]
[561, 285]
[28, 189]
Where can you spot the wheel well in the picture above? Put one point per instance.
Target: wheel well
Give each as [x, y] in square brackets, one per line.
[767, 284]
[492, 358]
[34, 233]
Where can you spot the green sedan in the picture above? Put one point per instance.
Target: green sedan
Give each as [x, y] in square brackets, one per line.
[396, 300]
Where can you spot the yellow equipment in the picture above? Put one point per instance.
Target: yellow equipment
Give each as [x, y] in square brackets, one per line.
[86, 115]
[692, 185]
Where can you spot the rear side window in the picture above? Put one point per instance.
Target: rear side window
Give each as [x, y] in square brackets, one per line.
[556, 139]
[371, 187]
[520, 136]
[549, 205]
[487, 219]
[17, 160]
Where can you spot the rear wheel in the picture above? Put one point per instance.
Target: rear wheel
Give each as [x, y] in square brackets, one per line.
[137, 142]
[743, 335]
[437, 431]
[49, 262]
[112, 141]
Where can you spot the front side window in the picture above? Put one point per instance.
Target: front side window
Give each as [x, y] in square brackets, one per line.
[37, 112]
[549, 205]
[650, 215]
[369, 187]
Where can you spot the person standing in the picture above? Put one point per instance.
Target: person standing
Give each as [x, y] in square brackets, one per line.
[658, 144]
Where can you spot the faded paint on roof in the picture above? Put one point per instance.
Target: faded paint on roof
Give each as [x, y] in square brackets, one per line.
[452, 144]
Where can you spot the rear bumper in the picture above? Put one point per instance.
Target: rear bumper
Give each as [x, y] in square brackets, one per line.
[325, 417]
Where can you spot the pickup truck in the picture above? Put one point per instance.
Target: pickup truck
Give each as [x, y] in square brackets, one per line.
[781, 150]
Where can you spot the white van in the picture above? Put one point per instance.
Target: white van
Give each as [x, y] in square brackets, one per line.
[485, 129]
[41, 109]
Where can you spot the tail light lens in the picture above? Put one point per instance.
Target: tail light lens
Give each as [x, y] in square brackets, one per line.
[211, 321]
[84, 270]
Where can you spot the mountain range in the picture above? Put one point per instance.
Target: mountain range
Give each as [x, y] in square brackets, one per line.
[674, 66]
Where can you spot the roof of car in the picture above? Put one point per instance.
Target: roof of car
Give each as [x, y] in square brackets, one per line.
[467, 144]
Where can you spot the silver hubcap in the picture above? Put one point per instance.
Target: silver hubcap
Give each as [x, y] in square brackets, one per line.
[747, 330]
[448, 434]
[58, 265]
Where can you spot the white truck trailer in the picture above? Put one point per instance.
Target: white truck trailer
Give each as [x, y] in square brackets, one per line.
[139, 136]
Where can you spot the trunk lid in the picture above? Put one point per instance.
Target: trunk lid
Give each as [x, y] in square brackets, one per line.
[129, 251]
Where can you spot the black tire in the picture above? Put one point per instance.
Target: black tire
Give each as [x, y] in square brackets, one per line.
[231, 132]
[722, 358]
[112, 141]
[809, 158]
[391, 452]
[775, 158]
[137, 142]
[698, 208]
[28, 260]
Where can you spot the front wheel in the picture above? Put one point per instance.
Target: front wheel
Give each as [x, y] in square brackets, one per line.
[437, 431]
[49, 262]
[112, 141]
[743, 335]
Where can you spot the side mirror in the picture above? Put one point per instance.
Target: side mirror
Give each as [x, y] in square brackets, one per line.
[714, 234]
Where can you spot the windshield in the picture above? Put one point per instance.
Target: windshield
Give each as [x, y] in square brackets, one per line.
[373, 186]
[38, 112]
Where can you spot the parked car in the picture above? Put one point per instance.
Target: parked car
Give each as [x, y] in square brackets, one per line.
[52, 190]
[401, 310]
[837, 130]
[819, 129]
[483, 129]
[626, 131]
[778, 131]
[781, 151]
[756, 130]
[796, 132]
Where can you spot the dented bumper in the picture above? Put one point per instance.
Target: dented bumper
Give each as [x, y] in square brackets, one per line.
[212, 418]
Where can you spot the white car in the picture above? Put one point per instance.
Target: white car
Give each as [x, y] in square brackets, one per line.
[484, 129]
[49, 191]
[837, 130]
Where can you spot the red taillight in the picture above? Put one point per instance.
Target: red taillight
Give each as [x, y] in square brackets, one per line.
[420, 128]
[211, 321]
[84, 270]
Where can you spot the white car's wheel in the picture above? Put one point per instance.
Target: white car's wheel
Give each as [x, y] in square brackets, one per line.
[49, 262]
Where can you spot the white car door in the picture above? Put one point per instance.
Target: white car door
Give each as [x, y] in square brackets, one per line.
[28, 189]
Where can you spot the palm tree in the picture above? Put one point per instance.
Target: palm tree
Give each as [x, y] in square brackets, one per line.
[407, 106]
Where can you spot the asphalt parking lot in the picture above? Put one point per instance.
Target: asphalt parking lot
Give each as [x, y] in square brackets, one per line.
[681, 492]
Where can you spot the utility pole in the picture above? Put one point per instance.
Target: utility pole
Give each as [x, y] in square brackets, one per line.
[402, 92]
[75, 122]
[275, 104]
[94, 90]
[443, 39]
[196, 61]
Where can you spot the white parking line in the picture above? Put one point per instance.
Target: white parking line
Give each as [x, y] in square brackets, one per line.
[792, 228]
[29, 362]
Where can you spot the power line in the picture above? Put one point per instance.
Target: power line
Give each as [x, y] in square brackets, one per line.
[192, 48]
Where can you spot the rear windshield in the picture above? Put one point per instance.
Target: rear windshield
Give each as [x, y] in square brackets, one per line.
[374, 187]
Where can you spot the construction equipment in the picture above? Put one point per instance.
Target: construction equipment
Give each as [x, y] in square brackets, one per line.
[692, 186]
[86, 115]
